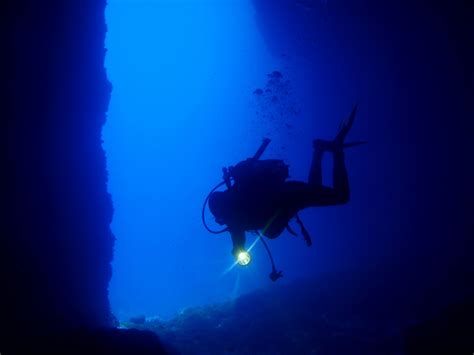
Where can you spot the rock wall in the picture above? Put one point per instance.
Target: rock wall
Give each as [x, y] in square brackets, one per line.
[56, 244]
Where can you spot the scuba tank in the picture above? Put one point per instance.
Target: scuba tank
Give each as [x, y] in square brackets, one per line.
[256, 172]
[235, 175]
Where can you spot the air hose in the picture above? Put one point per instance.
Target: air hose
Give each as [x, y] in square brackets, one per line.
[274, 275]
[204, 210]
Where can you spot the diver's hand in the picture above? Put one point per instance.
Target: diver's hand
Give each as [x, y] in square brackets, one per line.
[238, 241]
[235, 251]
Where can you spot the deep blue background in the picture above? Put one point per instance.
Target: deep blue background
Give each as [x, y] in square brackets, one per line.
[182, 107]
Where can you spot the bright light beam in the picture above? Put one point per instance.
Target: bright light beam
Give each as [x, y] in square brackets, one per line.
[226, 271]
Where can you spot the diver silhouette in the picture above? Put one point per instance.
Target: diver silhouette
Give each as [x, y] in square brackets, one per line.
[260, 198]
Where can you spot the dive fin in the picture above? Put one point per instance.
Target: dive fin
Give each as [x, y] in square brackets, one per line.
[346, 126]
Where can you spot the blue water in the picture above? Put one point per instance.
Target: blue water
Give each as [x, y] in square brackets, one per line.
[183, 106]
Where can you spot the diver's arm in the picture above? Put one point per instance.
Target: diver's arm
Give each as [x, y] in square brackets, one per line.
[238, 240]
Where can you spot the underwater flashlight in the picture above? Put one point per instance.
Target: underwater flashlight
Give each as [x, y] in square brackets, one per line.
[243, 258]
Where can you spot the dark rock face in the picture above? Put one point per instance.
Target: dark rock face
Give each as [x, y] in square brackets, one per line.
[101, 341]
[56, 244]
[341, 313]
[450, 332]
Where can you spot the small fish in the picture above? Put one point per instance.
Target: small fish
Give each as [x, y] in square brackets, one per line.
[275, 75]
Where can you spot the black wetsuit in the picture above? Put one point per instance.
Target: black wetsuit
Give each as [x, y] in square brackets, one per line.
[269, 205]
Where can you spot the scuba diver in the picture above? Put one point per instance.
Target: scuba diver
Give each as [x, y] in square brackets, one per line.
[261, 199]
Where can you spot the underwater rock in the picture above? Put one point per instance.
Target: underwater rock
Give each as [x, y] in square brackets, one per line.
[340, 313]
[57, 244]
[138, 319]
[94, 341]
[451, 332]
[113, 341]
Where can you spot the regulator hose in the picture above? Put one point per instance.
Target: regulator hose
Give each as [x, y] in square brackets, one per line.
[274, 275]
[204, 210]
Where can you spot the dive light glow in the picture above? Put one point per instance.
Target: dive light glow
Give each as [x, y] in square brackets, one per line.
[244, 258]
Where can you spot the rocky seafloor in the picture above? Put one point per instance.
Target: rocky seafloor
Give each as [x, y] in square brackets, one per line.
[335, 314]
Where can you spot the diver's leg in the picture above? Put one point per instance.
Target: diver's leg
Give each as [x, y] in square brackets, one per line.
[337, 144]
[299, 195]
[340, 180]
[315, 177]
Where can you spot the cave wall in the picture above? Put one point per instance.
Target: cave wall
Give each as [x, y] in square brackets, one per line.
[56, 244]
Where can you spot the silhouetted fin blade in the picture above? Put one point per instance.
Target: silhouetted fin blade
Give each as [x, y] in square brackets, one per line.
[346, 126]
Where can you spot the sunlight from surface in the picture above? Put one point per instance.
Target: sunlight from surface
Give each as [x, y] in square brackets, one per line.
[183, 74]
